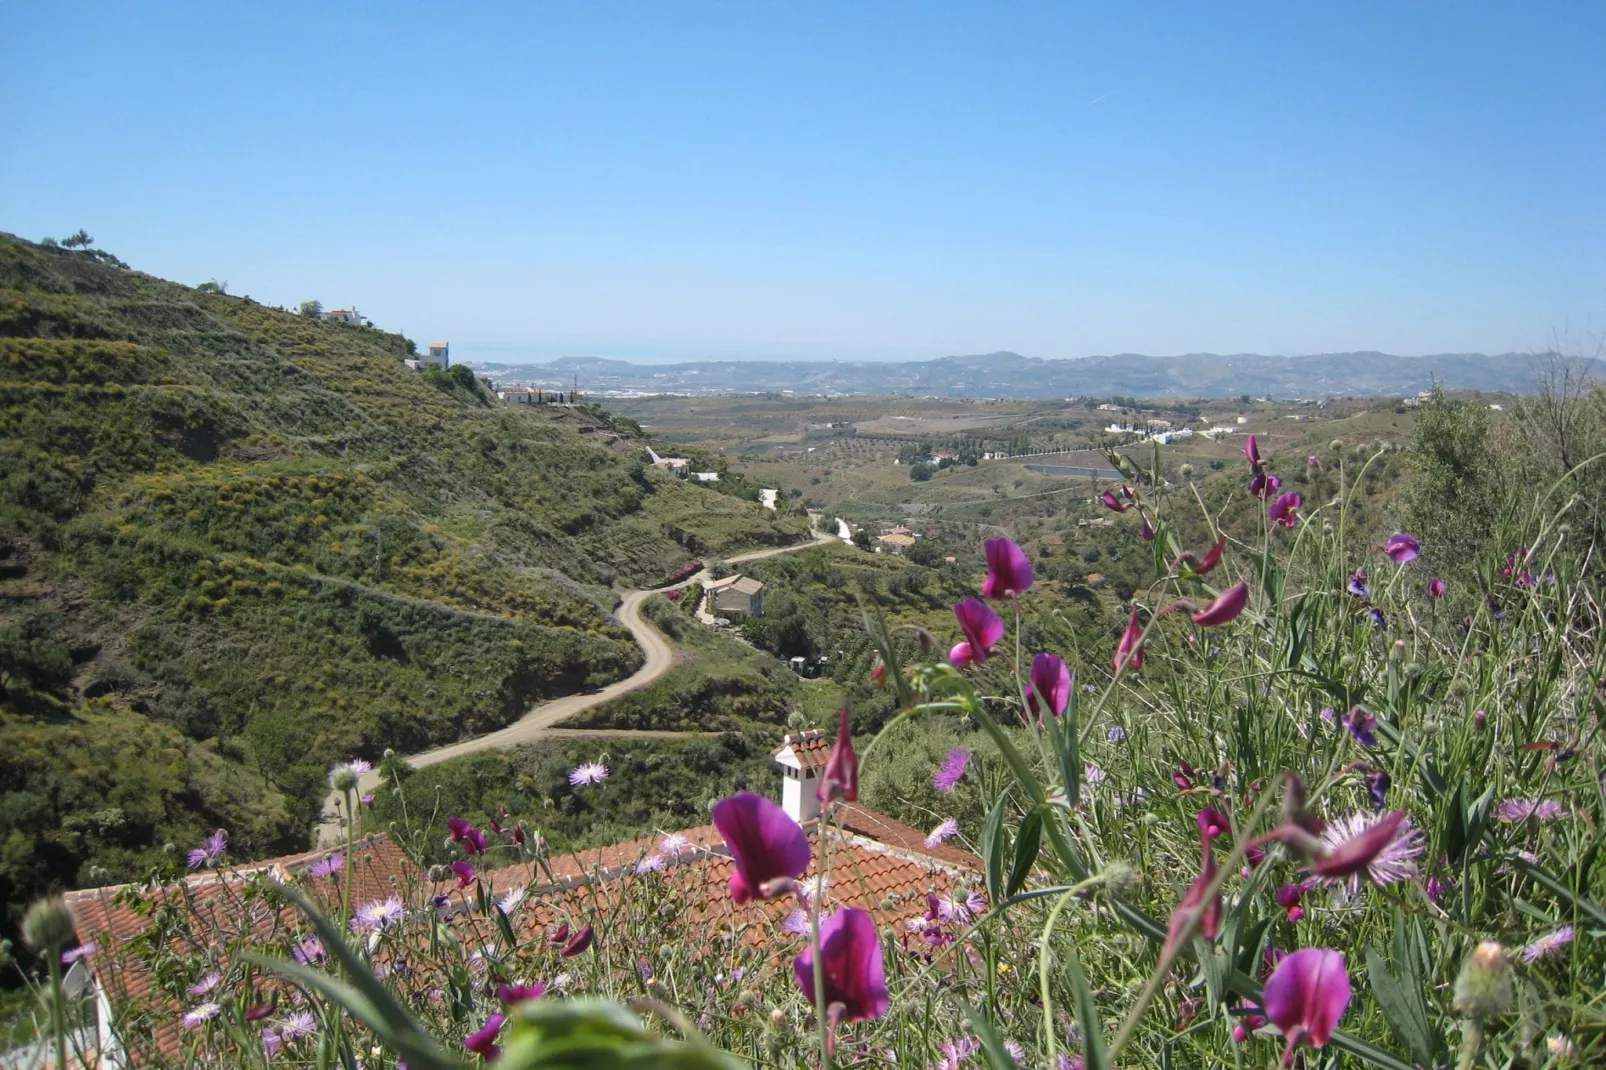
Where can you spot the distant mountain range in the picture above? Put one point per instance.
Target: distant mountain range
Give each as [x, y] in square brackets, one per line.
[995, 375]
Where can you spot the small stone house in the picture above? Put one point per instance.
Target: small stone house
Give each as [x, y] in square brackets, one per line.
[735, 594]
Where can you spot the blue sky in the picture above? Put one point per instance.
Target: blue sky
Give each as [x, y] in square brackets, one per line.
[882, 181]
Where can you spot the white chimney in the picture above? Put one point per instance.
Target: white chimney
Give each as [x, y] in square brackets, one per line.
[801, 756]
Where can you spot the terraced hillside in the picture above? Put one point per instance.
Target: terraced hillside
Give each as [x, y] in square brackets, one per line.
[236, 544]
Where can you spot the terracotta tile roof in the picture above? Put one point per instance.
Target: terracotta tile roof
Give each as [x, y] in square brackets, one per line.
[875, 863]
[217, 905]
[812, 748]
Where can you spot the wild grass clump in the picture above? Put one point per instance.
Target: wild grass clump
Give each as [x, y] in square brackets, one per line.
[1320, 803]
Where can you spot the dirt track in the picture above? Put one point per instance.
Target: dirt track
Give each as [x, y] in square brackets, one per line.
[659, 658]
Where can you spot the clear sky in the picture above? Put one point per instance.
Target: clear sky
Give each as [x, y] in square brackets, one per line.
[856, 180]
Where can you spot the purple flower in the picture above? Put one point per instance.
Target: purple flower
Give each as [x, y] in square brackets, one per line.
[1383, 849]
[949, 827]
[207, 982]
[1548, 945]
[271, 1043]
[1313, 461]
[298, 1024]
[1117, 734]
[471, 839]
[1225, 608]
[465, 873]
[483, 1043]
[1514, 810]
[1284, 511]
[1049, 687]
[841, 777]
[520, 993]
[1377, 787]
[1377, 617]
[850, 957]
[1129, 651]
[1362, 725]
[1252, 452]
[1212, 823]
[196, 1017]
[1402, 548]
[588, 773]
[948, 774]
[380, 914]
[1288, 897]
[209, 852]
[1263, 485]
[982, 627]
[82, 951]
[1009, 572]
[764, 842]
[1146, 532]
[1435, 589]
[327, 866]
[1113, 503]
[674, 843]
[578, 943]
[1357, 585]
[797, 923]
[1306, 996]
[650, 864]
[309, 952]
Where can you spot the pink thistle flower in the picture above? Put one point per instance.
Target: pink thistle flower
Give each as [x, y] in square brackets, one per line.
[982, 627]
[1547, 945]
[588, 773]
[198, 1016]
[1306, 996]
[327, 866]
[948, 774]
[797, 923]
[208, 982]
[1383, 849]
[674, 843]
[209, 852]
[944, 831]
[380, 914]
[1515, 810]
[765, 844]
[651, 864]
[1009, 571]
[82, 951]
[1049, 686]
[298, 1024]
[510, 901]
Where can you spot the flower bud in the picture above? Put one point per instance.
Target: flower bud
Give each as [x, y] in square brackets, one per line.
[48, 925]
[777, 1017]
[343, 779]
[1119, 877]
[1187, 471]
[1483, 988]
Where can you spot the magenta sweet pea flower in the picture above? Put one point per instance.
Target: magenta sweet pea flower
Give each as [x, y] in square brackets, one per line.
[1147, 532]
[1306, 996]
[1435, 589]
[1129, 650]
[841, 777]
[520, 993]
[465, 873]
[1009, 572]
[982, 627]
[1284, 511]
[1195, 908]
[1401, 548]
[1252, 452]
[1264, 485]
[483, 1043]
[579, 942]
[1225, 608]
[765, 844]
[850, 959]
[1113, 503]
[1213, 823]
[1050, 679]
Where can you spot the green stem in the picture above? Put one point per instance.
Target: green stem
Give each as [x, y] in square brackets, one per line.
[58, 1009]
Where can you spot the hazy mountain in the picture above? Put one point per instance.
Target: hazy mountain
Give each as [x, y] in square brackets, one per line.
[1005, 374]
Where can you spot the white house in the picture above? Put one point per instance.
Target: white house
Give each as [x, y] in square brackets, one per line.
[345, 315]
[438, 355]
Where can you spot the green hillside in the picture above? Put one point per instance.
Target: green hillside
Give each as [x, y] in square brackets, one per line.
[237, 545]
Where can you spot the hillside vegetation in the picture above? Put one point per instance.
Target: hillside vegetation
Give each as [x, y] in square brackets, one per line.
[237, 544]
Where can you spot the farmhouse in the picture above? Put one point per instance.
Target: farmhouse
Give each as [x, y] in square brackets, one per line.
[735, 594]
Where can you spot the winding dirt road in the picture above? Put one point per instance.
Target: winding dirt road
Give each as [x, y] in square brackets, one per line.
[658, 658]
